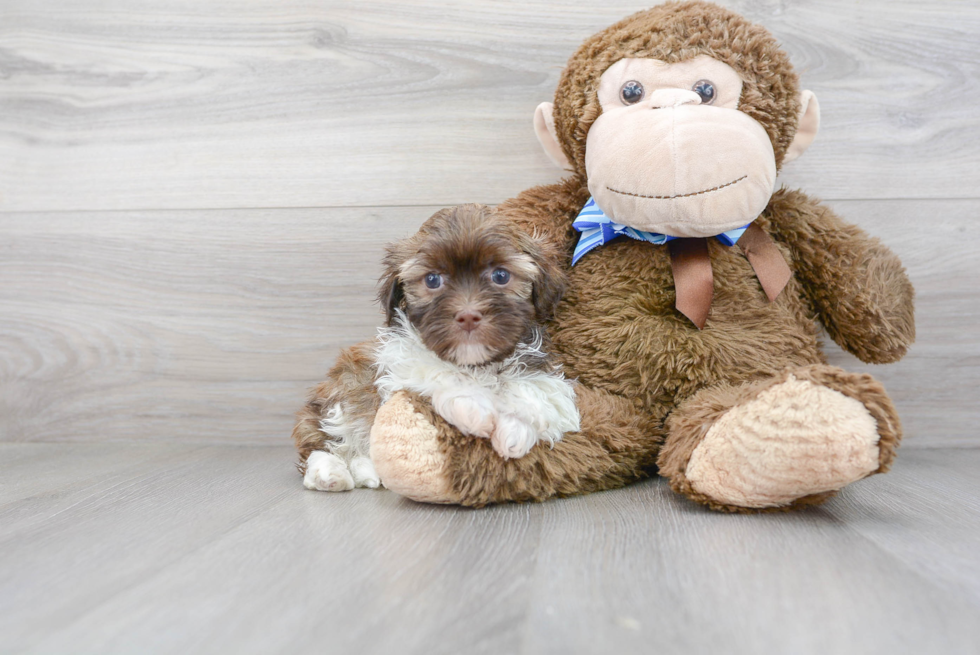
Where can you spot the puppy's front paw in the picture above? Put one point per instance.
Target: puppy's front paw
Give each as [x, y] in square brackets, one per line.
[472, 414]
[327, 472]
[362, 470]
[513, 437]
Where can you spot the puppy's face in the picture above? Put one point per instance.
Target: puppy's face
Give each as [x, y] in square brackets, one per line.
[470, 283]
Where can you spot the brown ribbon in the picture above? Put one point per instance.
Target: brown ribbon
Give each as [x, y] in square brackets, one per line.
[766, 260]
[693, 280]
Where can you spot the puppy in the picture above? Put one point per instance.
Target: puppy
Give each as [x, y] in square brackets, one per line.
[464, 300]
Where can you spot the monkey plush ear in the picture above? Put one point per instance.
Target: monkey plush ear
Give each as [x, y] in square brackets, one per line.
[809, 124]
[544, 127]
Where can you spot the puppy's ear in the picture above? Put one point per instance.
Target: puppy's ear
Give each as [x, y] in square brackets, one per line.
[551, 280]
[391, 294]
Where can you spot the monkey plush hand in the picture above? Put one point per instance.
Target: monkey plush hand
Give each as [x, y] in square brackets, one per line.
[695, 288]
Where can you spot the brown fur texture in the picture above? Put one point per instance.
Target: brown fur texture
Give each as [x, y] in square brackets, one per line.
[672, 32]
[464, 245]
[351, 381]
[615, 446]
[651, 382]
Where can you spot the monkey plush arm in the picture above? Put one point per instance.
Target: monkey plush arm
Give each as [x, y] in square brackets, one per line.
[855, 283]
[420, 456]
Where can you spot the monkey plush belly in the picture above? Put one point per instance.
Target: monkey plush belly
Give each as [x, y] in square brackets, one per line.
[623, 334]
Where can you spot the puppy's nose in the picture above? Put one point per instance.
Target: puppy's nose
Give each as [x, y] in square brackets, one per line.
[469, 320]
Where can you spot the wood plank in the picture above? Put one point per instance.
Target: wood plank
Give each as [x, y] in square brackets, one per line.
[186, 325]
[924, 514]
[313, 571]
[25, 469]
[643, 566]
[208, 326]
[220, 549]
[288, 103]
[934, 385]
[71, 550]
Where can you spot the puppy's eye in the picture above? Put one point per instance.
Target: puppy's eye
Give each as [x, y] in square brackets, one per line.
[433, 280]
[706, 90]
[631, 93]
[500, 276]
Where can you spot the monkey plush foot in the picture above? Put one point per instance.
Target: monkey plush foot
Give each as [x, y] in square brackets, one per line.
[408, 454]
[781, 443]
[420, 456]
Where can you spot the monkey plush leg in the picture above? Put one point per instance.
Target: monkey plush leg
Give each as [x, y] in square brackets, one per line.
[419, 455]
[781, 443]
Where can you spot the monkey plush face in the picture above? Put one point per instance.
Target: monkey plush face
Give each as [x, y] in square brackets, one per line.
[677, 117]
[671, 152]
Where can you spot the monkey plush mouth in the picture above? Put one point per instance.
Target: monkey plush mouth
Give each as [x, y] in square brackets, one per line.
[680, 195]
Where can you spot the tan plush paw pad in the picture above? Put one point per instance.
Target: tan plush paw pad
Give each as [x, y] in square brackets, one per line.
[795, 439]
[406, 454]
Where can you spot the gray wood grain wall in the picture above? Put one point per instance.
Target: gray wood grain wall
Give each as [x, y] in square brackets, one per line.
[194, 196]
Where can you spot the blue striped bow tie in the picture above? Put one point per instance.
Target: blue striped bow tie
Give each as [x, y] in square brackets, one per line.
[598, 229]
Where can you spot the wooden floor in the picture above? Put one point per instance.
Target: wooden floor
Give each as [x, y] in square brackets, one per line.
[194, 197]
[168, 548]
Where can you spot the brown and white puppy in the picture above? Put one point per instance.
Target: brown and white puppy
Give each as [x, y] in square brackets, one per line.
[464, 300]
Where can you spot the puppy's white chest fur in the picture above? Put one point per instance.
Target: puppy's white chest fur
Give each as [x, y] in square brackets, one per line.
[511, 404]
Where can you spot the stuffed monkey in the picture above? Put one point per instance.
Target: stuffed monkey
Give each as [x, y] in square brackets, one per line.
[694, 292]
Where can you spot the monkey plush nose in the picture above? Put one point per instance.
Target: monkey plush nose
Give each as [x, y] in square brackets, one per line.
[469, 320]
[672, 98]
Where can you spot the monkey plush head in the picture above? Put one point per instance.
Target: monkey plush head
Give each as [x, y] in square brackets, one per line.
[678, 119]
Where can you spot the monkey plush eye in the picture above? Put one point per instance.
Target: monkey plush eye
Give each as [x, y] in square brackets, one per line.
[433, 280]
[631, 93]
[500, 276]
[706, 90]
